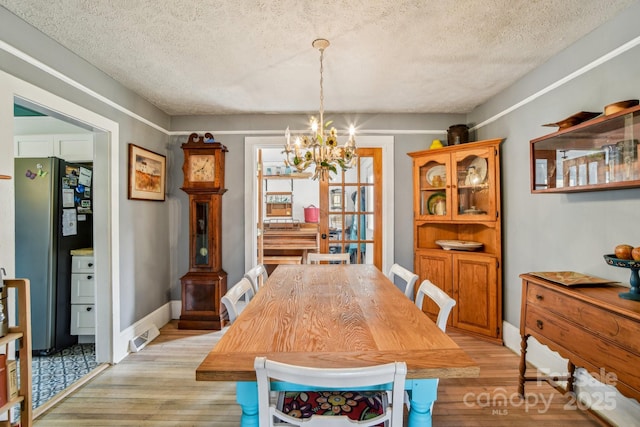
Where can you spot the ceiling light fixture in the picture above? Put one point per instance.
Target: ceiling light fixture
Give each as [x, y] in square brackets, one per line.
[316, 148]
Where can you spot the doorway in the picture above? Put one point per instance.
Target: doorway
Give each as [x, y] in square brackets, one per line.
[384, 202]
[63, 149]
[352, 200]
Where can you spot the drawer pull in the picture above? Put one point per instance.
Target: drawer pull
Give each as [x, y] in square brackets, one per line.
[89, 277]
[89, 308]
[90, 264]
[539, 324]
[539, 297]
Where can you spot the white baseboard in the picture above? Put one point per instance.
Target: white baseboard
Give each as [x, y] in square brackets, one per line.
[157, 319]
[176, 309]
[603, 399]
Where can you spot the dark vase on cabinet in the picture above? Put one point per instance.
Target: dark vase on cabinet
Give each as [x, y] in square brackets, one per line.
[456, 209]
[206, 282]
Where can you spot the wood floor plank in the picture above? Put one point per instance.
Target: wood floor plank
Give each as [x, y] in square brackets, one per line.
[157, 387]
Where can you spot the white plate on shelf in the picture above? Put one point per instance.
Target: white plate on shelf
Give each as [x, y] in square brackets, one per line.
[459, 245]
[480, 165]
[436, 171]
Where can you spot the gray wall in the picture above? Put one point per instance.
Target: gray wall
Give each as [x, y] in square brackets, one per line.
[558, 232]
[144, 238]
[236, 173]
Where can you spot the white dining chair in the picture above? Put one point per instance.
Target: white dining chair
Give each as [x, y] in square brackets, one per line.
[316, 258]
[272, 405]
[440, 297]
[257, 276]
[445, 304]
[236, 298]
[408, 277]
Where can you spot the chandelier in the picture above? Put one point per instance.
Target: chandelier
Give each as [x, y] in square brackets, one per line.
[320, 147]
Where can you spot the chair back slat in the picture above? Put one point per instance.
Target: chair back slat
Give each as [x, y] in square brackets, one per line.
[408, 277]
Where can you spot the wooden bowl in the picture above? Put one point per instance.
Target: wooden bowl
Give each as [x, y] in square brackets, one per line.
[573, 120]
[619, 106]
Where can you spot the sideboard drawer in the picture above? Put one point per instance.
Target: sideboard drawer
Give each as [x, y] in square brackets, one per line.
[604, 323]
[583, 344]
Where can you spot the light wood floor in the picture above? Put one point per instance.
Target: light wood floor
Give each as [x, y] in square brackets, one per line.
[157, 387]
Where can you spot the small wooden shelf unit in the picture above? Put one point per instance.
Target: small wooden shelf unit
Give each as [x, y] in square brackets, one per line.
[21, 335]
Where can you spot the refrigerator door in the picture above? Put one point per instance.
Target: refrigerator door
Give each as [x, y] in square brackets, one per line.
[53, 216]
[35, 234]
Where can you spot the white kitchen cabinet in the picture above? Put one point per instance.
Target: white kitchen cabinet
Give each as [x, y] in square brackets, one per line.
[83, 316]
[70, 147]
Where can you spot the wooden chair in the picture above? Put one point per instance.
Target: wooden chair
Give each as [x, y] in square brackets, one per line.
[444, 301]
[316, 258]
[445, 304]
[237, 298]
[257, 276]
[408, 277]
[271, 412]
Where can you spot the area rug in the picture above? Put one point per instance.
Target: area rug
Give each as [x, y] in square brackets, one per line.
[52, 374]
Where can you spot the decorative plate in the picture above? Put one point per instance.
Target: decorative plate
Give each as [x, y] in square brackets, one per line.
[480, 164]
[474, 212]
[570, 278]
[459, 245]
[433, 199]
[436, 171]
[575, 119]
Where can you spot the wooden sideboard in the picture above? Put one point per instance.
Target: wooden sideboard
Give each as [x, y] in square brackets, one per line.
[591, 326]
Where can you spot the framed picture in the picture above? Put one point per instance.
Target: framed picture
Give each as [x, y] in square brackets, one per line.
[147, 174]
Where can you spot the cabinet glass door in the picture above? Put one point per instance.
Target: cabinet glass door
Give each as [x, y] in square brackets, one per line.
[201, 253]
[474, 185]
[434, 187]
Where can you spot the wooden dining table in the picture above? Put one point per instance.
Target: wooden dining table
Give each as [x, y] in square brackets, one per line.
[337, 316]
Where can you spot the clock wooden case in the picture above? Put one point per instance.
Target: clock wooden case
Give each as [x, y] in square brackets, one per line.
[206, 282]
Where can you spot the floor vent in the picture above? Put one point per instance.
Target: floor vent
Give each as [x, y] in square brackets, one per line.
[138, 343]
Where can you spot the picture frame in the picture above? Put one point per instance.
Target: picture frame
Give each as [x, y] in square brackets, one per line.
[147, 174]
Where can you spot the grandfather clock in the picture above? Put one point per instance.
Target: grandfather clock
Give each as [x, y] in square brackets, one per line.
[205, 283]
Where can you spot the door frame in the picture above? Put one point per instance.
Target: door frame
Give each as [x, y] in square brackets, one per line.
[251, 147]
[106, 238]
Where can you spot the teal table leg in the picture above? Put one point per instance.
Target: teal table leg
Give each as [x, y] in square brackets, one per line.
[247, 398]
[422, 394]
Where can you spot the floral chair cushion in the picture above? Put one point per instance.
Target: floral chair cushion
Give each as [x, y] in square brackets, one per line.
[357, 405]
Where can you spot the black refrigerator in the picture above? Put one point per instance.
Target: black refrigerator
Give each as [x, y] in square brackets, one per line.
[53, 216]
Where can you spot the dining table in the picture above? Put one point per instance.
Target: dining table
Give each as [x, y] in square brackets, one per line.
[335, 316]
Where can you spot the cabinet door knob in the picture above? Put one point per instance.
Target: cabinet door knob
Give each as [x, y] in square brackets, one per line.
[89, 277]
[539, 324]
[324, 236]
[539, 297]
[90, 264]
[89, 308]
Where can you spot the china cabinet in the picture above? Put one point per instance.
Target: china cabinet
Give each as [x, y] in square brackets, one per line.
[457, 232]
[206, 282]
[598, 154]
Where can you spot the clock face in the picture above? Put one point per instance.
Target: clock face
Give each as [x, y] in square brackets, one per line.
[202, 167]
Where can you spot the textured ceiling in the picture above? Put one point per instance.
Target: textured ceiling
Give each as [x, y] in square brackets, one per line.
[255, 56]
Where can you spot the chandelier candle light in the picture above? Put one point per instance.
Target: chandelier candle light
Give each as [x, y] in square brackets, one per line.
[316, 148]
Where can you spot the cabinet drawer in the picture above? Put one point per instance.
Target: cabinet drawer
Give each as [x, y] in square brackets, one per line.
[586, 346]
[597, 320]
[82, 264]
[83, 319]
[83, 288]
